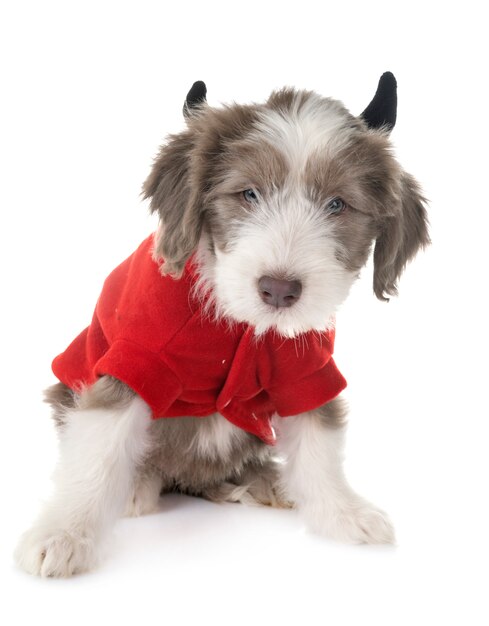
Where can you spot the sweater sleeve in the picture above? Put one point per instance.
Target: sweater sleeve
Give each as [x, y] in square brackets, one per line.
[131, 324]
[144, 372]
[300, 376]
[308, 393]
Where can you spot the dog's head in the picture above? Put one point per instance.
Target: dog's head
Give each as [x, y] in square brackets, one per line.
[283, 202]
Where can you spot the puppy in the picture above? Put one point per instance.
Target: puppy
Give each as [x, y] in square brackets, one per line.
[208, 365]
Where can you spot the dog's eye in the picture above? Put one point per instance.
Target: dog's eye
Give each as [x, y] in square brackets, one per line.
[336, 206]
[249, 195]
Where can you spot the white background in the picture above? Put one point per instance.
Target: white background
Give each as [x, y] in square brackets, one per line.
[88, 91]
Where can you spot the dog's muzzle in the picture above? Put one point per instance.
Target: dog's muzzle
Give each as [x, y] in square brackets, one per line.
[279, 293]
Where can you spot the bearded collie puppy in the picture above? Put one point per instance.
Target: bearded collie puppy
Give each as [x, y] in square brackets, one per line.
[207, 367]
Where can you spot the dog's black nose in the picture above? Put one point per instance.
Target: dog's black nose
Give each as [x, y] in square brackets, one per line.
[279, 293]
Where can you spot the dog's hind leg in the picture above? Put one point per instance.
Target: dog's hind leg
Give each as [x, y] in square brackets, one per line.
[103, 439]
[258, 484]
[145, 493]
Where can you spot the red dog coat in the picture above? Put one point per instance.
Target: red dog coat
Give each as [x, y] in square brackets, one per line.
[148, 332]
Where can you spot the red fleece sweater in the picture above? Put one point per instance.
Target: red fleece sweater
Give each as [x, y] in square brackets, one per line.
[149, 332]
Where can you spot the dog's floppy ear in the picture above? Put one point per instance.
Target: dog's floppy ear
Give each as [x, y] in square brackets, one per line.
[174, 195]
[400, 238]
[174, 188]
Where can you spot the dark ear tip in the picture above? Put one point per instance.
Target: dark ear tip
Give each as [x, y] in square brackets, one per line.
[195, 96]
[382, 111]
[388, 80]
[197, 93]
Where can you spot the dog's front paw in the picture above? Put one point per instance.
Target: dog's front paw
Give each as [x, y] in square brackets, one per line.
[356, 521]
[55, 553]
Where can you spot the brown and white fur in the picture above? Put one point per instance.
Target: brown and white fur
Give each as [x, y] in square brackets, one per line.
[298, 153]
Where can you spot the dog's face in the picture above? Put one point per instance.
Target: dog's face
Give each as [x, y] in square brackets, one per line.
[283, 202]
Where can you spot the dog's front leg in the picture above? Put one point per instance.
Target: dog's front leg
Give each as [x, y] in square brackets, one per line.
[101, 443]
[313, 478]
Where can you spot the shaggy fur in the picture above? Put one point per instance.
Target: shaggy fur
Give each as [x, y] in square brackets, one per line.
[322, 189]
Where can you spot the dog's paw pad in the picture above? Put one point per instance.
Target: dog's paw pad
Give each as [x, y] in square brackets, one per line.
[56, 553]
